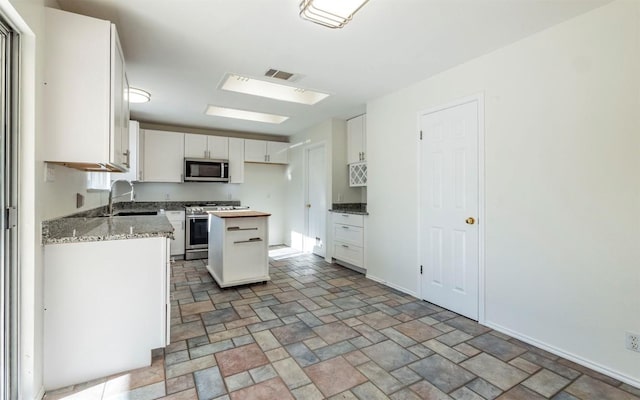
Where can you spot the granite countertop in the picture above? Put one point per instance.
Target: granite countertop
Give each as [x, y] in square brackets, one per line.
[349, 208]
[88, 229]
[239, 214]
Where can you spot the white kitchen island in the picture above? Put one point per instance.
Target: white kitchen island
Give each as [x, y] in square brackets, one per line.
[238, 243]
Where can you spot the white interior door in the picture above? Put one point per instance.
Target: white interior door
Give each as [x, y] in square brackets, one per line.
[316, 205]
[449, 195]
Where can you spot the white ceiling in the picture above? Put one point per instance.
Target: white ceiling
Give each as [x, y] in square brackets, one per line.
[179, 50]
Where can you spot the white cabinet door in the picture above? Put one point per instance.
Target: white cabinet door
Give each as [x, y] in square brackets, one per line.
[85, 112]
[204, 146]
[218, 147]
[177, 220]
[134, 156]
[195, 146]
[163, 156]
[277, 152]
[356, 139]
[255, 150]
[86, 279]
[236, 160]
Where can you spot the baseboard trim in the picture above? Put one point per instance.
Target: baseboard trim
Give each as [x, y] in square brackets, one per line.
[393, 286]
[569, 356]
[40, 394]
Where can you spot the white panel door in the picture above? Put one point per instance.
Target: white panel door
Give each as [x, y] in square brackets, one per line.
[316, 201]
[449, 208]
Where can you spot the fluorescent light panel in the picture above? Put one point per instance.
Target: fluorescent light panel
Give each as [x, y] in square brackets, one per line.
[256, 87]
[330, 13]
[246, 115]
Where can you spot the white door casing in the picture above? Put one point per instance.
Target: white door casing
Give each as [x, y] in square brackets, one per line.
[449, 229]
[316, 203]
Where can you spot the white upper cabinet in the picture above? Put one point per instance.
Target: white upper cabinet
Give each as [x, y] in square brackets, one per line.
[163, 156]
[205, 146]
[277, 152]
[86, 111]
[236, 160]
[255, 150]
[262, 151]
[135, 156]
[356, 139]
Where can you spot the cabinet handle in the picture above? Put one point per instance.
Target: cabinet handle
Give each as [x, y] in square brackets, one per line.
[128, 155]
[345, 227]
[345, 246]
[252, 240]
[363, 158]
[237, 228]
[345, 215]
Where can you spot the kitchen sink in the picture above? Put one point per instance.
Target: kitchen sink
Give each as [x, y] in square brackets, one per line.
[133, 213]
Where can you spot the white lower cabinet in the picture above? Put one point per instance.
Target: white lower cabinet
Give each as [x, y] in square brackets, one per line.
[348, 239]
[176, 218]
[106, 306]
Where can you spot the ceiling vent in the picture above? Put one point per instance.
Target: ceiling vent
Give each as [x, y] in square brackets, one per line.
[285, 76]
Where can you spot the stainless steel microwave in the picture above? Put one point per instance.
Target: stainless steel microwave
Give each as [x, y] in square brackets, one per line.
[205, 170]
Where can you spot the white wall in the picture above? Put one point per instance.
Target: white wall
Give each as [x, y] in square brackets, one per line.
[264, 189]
[562, 189]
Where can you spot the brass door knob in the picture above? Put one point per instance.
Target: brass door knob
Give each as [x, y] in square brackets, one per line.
[470, 221]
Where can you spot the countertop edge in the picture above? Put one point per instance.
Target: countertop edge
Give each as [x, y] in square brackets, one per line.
[83, 239]
[348, 212]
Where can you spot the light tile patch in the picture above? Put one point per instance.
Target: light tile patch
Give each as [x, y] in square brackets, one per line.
[495, 371]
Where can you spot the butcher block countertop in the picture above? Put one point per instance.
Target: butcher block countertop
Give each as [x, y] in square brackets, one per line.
[239, 214]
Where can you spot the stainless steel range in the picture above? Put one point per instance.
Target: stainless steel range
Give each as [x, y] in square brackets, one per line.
[197, 224]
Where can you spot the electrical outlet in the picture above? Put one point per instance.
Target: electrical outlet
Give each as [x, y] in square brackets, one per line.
[49, 173]
[632, 342]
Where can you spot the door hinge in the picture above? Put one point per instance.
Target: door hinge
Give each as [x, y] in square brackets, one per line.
[420, 135]
[421, 270]
[10, 217]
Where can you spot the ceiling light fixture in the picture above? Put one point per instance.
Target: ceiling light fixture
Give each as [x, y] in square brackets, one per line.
[272, 90]
[138, 95]
[330, 13]
[246, 115]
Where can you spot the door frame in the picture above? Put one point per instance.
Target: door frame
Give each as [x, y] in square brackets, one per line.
[479, 99]
[327, 194]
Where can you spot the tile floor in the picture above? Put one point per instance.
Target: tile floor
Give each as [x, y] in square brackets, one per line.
[319, 330]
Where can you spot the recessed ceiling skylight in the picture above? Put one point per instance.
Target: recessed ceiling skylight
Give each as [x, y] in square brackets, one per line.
[256, 87]
[246, 115]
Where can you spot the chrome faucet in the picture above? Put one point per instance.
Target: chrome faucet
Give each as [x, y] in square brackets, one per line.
[111, 196]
